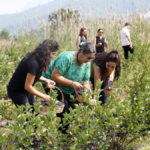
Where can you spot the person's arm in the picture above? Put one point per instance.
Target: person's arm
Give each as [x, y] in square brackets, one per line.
[129, 39]
[78, 42]
[96, 45]
[111, 77]
[50, 83]
[97, 76]
[106, 43]
[87, 85]
[86, 76]
[57, 77]
[94, 42]
[28, 87]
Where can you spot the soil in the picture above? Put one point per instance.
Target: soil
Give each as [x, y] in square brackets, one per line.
[123, 95]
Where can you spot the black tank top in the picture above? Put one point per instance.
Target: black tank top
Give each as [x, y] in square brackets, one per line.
[100, 49]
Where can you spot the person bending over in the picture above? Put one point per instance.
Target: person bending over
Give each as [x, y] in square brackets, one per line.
[103, 68]
[20, 87]
[71, 71]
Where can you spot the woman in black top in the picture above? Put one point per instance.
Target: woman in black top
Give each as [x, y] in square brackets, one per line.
[20, 88]
[100, 42]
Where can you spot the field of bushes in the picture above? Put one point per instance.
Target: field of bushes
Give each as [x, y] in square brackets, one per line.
[124, 122]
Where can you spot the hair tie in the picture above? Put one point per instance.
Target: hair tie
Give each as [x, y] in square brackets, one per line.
[81, 44]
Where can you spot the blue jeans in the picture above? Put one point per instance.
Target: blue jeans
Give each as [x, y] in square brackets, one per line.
[102, 97]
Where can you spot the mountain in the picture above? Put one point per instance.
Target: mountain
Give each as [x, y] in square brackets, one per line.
[12, 22]
[34, 3]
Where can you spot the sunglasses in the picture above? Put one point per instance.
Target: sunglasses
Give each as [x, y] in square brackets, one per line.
[90, 57]
[100, 32]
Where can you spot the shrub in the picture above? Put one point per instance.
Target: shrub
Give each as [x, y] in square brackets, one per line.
[4, 34]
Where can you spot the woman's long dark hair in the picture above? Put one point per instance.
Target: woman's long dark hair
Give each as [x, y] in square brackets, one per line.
[43, 51]
[81, 30]
[101, 60]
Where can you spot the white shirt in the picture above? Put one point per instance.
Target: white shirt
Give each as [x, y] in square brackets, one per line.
[125, 32]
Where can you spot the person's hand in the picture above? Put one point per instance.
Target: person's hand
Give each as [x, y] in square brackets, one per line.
[99, 44]
[105, 42]
[130, 45]
[109, 86]
[47, 98]
[93, 101]
[77, 85]
[93, 97]
[50, 84]
[111, 79]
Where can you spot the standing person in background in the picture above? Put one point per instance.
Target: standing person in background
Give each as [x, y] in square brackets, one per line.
[126, 40]
[100, 42]
[82, 37]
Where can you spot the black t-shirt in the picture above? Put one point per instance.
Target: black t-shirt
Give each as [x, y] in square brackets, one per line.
[31, 65]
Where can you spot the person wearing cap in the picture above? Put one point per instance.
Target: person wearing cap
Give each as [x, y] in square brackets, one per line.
[69, 70]
[126, 40]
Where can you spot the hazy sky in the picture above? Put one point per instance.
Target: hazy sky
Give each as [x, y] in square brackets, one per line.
[14, 6]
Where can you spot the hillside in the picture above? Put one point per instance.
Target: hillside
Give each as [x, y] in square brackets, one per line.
[34, 3]
[14, 21]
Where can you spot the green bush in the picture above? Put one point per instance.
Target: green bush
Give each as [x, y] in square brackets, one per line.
[4, 34]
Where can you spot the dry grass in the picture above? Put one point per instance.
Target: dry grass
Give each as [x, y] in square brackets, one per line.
[145, 148]
[142, 144]
[7, 44]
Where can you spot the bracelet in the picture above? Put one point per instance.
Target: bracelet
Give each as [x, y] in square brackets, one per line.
[72, 83]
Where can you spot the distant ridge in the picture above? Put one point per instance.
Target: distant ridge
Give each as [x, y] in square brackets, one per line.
[14, 21]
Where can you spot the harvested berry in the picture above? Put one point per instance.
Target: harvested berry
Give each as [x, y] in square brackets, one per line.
[59, 103]
[81, 91]
[43, 102]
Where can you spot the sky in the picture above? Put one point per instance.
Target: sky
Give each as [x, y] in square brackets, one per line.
[16, 6]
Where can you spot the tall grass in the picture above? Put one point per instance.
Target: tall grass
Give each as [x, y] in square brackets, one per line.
[66, 32]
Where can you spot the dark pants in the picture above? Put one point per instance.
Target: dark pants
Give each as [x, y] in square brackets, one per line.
[67, 103]
[102, 95]
[126, 49]
[100, 50]
[21, 98]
